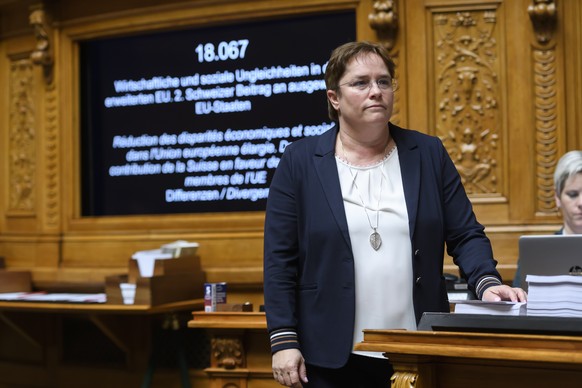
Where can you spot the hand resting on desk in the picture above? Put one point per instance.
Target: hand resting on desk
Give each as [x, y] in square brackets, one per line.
[504, 292]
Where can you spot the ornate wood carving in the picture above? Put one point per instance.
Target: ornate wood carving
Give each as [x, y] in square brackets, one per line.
[227, 353]
[403, 380]
[52, 157]
[42, 54]
[543, 15]
[546, 128]
[384, 20]
[22, 136]
[467, 89]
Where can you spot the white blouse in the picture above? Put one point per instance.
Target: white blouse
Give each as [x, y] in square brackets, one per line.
[374, 197]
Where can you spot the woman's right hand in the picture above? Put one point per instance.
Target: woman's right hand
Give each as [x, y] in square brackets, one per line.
[289, 368]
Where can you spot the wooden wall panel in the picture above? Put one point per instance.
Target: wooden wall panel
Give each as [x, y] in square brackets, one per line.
[505, 102]
[492, 76]
[466, 110]
[571, 29]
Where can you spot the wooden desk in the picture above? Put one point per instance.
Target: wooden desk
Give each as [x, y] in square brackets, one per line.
[55, 341]
[423, 359]
[101, 308]
[240, 350]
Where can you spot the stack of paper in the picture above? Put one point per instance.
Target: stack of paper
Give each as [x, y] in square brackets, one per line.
[53, 297]
[489, 308]
[554, 296]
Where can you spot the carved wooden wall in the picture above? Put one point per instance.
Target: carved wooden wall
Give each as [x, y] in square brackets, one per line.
[499, 81]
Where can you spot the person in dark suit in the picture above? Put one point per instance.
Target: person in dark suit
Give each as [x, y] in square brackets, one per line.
[568, 196]
[356, 224]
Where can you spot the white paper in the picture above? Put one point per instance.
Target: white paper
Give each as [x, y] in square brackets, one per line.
[554, 279]
[490, 308]
[177, 247]
[54, 297]
[146, 261]
[554, 296]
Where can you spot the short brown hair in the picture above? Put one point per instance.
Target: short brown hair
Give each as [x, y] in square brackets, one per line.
[341, 56]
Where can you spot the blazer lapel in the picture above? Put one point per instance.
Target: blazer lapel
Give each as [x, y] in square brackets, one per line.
[326, 169]
[409, 157]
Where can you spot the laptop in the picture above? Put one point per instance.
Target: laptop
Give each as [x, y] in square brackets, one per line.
[549, 255]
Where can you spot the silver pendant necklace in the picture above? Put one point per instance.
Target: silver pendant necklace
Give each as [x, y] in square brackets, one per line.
[375, 238]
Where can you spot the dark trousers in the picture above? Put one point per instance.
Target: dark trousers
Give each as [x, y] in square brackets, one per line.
[359, 372]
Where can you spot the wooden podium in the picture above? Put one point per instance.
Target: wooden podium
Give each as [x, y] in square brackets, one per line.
[240, 353]
[423, 359]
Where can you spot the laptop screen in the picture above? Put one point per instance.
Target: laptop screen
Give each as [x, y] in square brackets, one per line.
[548, 255]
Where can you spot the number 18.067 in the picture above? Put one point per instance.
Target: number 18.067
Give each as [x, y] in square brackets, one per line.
[223, 51]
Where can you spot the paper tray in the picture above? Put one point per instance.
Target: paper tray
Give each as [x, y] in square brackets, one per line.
[174, 280]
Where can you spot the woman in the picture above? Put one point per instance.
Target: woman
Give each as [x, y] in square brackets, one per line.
[568, 187]
[568, 196]
[356, 223]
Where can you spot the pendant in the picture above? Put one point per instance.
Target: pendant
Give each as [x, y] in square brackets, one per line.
[375, 240]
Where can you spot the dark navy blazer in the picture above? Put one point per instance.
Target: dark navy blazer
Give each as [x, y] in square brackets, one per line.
[309, 266]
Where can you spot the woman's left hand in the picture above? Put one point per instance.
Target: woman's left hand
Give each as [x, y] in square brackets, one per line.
[504, 292]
